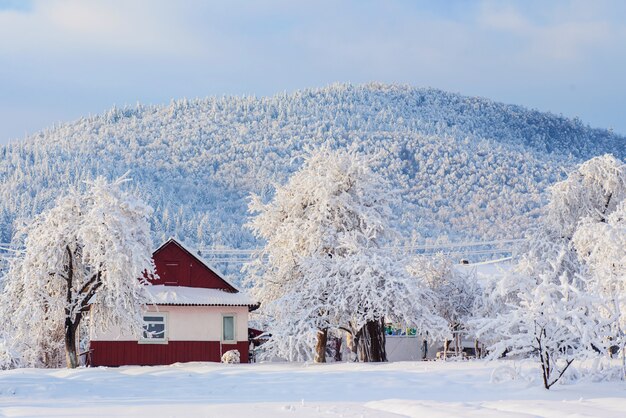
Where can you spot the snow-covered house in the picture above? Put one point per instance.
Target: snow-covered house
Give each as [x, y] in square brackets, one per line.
[198, 316]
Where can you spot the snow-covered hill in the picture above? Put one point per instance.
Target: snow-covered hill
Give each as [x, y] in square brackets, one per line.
[467, 167]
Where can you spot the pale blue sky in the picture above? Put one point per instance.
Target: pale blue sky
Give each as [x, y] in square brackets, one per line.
[61, 59]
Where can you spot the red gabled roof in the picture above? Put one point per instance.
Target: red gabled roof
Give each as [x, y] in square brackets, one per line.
[177, 265]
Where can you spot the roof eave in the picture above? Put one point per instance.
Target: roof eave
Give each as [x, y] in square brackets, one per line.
[249, 306]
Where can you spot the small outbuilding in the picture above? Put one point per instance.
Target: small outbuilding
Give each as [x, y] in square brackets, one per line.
[198, 316]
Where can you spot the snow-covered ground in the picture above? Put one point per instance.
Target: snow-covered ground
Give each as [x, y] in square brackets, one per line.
[413, 389]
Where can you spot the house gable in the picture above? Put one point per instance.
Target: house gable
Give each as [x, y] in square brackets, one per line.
[179, 266]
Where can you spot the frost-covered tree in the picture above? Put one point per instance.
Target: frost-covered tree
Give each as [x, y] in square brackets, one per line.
[599, 237]
[7, 357]
[499, 293]
[566, 290]
[89, 253]
[594, 190]
[323, 264]
[552, 321]
[601, 244]
[368, 286]
[588, 195]
[456, 295]
[585, 221]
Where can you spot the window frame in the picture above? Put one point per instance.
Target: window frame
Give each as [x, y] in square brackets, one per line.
[222, 339]
[165, 339]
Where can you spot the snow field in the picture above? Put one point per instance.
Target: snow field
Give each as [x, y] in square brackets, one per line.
[402, 389]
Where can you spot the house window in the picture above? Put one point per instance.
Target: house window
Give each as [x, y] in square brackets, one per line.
[154, 328]
[228, 328]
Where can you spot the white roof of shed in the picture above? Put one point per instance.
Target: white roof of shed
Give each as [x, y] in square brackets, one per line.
[181, 295]
[487, 270]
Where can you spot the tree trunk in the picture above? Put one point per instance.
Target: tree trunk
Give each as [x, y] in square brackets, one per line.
[71, 357]
[623, 355]
[446, 348]
[320, 347]
[352, 342]
[545, 372]
[372, 341]
[621, 343]
[456, 332]
[337, 344]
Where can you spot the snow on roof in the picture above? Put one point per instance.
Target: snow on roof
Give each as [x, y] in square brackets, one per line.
[487, 269]
[181, 295]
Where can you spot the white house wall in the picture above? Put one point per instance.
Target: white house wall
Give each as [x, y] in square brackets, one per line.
[403, 348]
[188, 323]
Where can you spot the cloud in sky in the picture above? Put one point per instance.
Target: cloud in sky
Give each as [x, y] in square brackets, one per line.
[61, 59]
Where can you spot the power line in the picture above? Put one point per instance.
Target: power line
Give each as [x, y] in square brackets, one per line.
[410, 247]
[241, 256]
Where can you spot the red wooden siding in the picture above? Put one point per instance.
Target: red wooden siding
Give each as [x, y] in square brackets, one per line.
[178, 267]
[122, 353]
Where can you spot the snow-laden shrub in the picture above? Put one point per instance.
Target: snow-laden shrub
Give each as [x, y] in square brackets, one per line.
[8, 359]
[231, 357]
[603, 369]
[503, 374]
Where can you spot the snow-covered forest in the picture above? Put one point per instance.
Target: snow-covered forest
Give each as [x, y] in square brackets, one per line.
[468, 167]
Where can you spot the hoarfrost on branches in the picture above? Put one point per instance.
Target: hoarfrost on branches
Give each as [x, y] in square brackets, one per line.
[455, 296]
[324, 264]
[7, 358]
[370, 285]
[552, 321]
[86, 256]
[593, 191]
[600, 242]
[566, 294]
[602, 246]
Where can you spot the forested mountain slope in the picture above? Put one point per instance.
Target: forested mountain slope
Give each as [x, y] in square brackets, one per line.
[467, 167]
